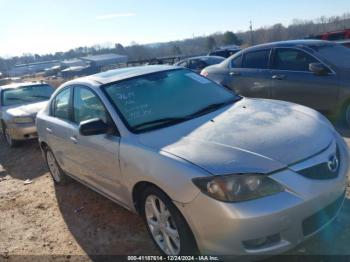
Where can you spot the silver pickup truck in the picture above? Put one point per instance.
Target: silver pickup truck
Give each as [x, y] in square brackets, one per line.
[19, 104]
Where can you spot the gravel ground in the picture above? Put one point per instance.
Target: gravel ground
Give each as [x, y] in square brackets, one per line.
[38, 218]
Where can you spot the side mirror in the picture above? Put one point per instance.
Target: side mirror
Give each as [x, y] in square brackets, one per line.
[93, 127]
[318, 69]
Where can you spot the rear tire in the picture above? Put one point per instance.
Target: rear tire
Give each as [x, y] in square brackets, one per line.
[10, 142]
[166, 225]
[58, 176]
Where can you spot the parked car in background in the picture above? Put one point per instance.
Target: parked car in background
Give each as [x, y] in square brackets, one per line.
[19, 104]
[225, 51]
[345, 43]
[334, 35]
[207, 169]
[198, 63]
[313, 73]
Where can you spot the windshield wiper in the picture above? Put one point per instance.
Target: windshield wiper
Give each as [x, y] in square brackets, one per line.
[16, 98]
[211, 108]
[167, 120]
[174, 120]
[39, 96]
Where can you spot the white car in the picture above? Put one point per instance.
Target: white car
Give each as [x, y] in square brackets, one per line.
[19, 104]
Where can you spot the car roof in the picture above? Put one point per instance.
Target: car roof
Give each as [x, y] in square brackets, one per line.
[228, 48]
[17, 85]
[289, 43]
[121, 74]
[206, 57]
[345, 41]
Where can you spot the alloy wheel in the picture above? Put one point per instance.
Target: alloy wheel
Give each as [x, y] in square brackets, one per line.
[162, 225]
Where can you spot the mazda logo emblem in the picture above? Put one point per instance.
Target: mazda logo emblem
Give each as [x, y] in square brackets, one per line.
[333, 164]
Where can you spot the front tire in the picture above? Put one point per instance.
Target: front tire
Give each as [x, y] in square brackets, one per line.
[166, 225]
[10, 142]
[58, 176]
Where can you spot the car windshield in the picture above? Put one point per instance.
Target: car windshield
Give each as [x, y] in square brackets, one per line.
[26, 94]
[336, 54]
[165, 98]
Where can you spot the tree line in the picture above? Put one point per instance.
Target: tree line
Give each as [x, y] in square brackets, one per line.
[197, 45]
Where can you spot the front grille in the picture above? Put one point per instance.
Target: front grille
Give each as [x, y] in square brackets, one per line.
[321, 171]
[319, 219]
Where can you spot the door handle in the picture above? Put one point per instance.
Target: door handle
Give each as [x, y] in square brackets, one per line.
[235, 74]
[278, 77]
[49, 130]
[73, 139]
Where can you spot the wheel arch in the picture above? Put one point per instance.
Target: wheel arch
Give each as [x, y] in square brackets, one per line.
[137, 190]
[339, 114]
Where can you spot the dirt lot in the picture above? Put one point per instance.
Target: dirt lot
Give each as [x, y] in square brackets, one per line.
[42, 219]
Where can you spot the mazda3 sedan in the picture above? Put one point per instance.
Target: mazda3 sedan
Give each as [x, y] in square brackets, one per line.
[211, 172]
[312, 73]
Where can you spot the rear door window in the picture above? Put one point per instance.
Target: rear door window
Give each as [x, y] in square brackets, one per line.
[256, 59]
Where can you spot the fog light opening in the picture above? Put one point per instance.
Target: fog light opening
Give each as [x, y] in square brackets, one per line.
[263, 242]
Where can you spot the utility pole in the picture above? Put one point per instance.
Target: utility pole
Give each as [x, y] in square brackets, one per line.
[251, 33]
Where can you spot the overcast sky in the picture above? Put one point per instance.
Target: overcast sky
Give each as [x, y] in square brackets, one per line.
[44, 26]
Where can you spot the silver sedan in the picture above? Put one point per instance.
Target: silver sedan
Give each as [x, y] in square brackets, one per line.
[211, 172]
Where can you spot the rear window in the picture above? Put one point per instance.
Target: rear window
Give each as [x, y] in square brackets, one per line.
[214, 60]
[222, 53]
[256, 59]
[337, 54]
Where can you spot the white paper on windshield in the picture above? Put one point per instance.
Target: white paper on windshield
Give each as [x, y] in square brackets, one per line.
[198, 78]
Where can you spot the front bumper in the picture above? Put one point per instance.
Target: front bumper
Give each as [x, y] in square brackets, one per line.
[22, 131]
[285, 219]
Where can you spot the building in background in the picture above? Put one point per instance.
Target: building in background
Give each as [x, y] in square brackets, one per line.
[104, 62]
[73, 62]
[32, 68]
[72, 67]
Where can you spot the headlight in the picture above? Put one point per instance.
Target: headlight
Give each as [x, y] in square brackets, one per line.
[237, 188]
[23, 120]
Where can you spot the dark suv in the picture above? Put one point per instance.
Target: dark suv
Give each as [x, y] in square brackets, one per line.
[313, 73]
[225, 51]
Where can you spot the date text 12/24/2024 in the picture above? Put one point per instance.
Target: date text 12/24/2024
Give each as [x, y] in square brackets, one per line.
[173, 258]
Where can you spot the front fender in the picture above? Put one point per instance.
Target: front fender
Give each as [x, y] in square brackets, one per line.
[170, 173]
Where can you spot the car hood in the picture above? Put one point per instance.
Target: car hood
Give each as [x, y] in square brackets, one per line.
[253, 135]
[26, 110]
